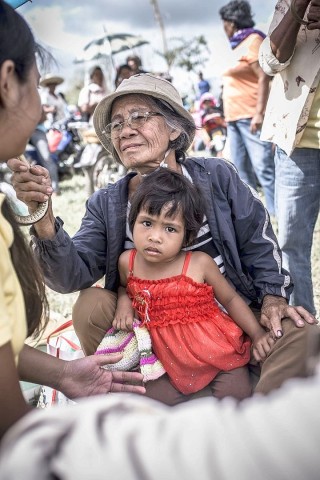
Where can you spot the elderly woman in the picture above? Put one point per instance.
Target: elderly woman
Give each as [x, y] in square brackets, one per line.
[145, 125]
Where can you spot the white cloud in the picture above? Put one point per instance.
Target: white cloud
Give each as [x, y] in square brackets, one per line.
[66, 28]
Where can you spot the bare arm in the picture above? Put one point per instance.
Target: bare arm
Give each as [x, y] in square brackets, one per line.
[124, 315]
[76, 378]
[263, 93]
[12, 402]
[231, 301]
[284, 36]
[237, 309]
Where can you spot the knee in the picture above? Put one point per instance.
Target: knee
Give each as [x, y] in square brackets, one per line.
[92, 314]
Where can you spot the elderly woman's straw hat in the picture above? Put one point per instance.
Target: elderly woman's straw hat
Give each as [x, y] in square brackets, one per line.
[146, 84]
[50, 79]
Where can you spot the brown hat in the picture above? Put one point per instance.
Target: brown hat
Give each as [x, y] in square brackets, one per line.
[50, 79]
[146, 84]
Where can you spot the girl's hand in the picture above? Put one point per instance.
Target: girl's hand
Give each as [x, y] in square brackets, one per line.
[261, 345]
[123, 319]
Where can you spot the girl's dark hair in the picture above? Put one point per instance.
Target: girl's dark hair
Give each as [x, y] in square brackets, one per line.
[238, 12]
[166, 187]
[16, 41]
[29, 276]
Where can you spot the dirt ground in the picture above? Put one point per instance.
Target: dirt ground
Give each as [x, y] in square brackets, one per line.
[70, 206]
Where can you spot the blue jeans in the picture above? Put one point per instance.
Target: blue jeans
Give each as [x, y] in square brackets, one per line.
[297, 199]
[253, 158]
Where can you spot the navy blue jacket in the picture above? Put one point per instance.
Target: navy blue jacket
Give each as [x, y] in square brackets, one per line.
[239, 224]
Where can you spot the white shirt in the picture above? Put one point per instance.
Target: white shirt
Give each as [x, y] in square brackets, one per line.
[293, 87]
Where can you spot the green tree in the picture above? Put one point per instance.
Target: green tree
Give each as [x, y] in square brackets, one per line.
[186, 54]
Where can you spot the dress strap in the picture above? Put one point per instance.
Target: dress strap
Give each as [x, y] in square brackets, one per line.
[133, 253]
[186, 263]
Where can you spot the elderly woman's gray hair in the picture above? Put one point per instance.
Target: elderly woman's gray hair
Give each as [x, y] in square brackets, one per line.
[174, 121]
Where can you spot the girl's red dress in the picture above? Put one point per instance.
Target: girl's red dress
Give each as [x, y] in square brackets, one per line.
[191, 336]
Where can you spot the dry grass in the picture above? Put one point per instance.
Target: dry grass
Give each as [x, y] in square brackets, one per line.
[71, 206]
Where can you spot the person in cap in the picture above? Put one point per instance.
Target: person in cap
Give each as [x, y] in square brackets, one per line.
[145, 126]
[54, 104]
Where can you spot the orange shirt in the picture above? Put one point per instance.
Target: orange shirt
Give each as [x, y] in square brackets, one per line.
[240, 83]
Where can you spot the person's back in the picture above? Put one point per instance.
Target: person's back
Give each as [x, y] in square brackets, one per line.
[240, 83]
[245, 93]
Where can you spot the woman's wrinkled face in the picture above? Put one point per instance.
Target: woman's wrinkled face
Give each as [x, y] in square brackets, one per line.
[141, 149]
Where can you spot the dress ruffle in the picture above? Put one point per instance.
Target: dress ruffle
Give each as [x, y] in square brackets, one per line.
[190, 335]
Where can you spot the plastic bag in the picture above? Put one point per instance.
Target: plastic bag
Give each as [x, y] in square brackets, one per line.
[64, 344]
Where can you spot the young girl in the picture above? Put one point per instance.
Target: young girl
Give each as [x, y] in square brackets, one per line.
[173, 291]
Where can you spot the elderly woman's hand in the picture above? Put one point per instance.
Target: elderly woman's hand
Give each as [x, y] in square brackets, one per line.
[32, 184]
[275, 308]
[86, 376]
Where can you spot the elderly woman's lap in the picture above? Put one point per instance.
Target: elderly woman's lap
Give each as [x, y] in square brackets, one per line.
[93, 314]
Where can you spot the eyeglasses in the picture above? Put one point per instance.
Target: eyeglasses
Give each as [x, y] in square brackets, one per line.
[135, 120]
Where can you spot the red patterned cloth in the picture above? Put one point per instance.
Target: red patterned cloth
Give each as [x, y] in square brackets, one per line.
[190, 335]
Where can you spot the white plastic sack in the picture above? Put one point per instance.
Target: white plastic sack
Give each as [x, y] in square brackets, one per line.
[64, 344]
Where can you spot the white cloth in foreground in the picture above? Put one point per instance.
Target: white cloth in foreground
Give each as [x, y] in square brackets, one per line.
[122, 436]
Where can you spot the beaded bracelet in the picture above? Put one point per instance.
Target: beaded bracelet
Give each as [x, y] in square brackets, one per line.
[295, 15]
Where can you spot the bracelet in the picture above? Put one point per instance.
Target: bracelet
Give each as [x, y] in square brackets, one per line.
[295, 15]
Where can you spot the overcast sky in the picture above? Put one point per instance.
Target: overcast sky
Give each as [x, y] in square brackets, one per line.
[66, 26]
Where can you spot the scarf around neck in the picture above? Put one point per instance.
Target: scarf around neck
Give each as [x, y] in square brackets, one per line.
[241, 35]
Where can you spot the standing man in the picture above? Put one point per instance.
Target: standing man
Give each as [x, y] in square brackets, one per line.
[291, 53]
[245, 94]
[203, 85]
